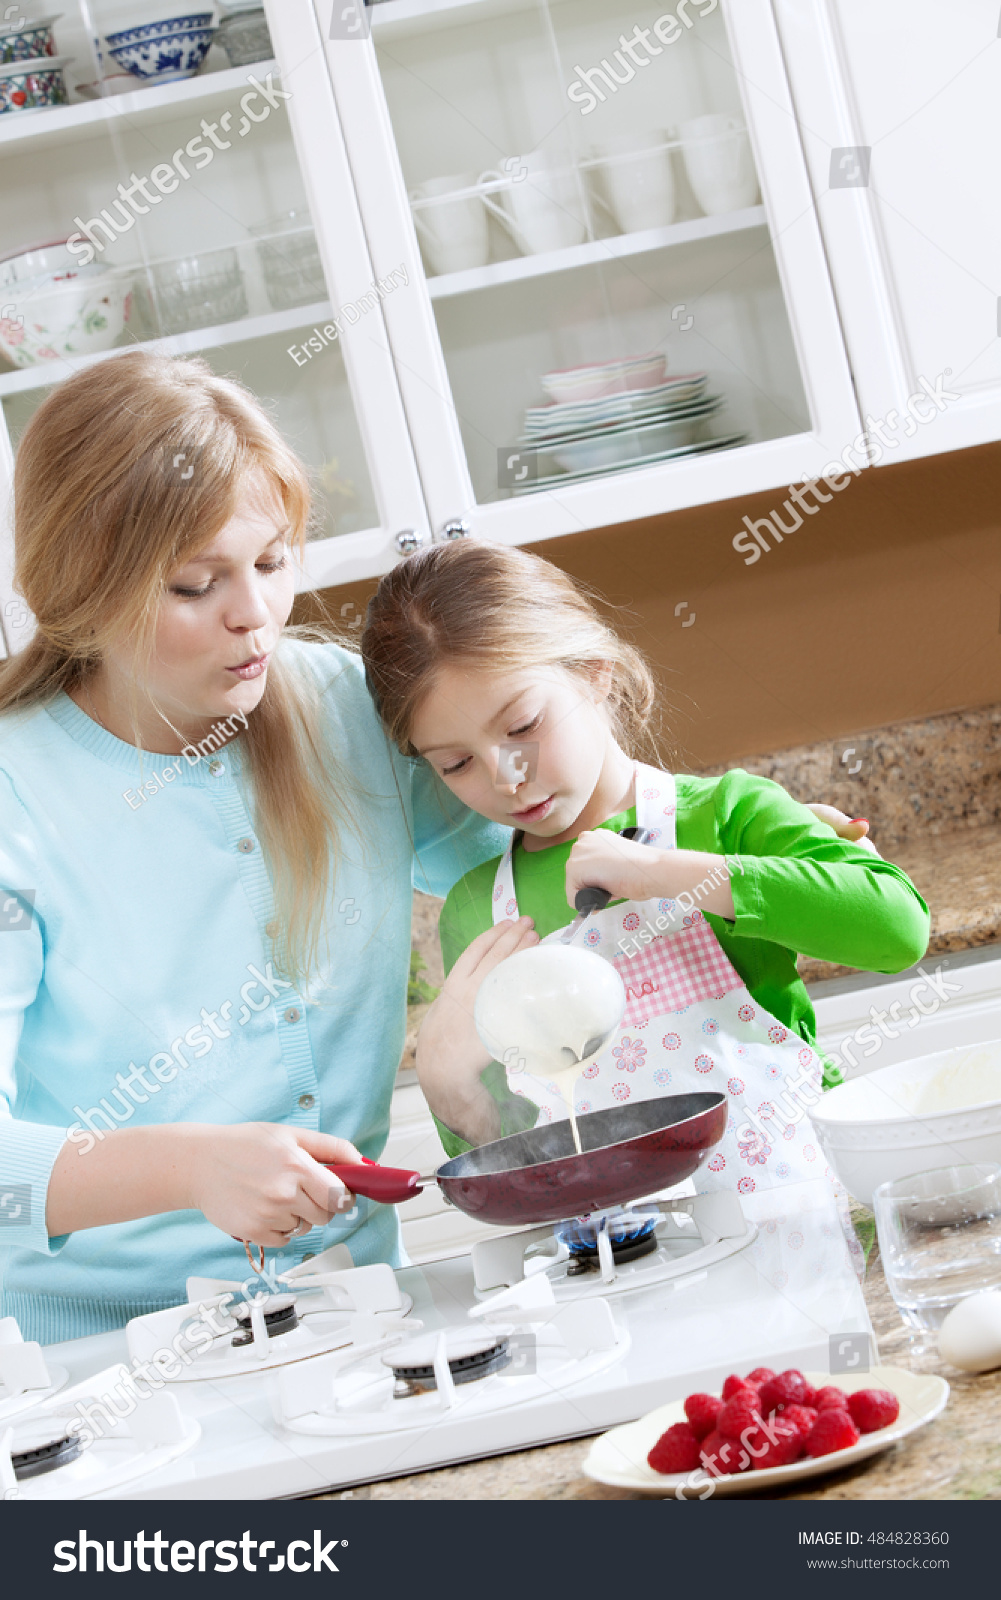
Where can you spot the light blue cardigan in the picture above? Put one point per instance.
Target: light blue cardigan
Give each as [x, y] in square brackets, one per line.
[136, 985]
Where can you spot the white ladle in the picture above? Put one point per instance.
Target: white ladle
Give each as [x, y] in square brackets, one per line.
[550, 1011]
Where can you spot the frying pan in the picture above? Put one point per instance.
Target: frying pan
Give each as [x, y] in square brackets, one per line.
[538, 1176]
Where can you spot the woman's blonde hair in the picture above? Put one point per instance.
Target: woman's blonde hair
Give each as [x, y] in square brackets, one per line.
[125, 472]
[497, 607]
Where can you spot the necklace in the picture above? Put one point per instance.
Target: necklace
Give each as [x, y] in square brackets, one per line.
[104, 725]
[94, 708]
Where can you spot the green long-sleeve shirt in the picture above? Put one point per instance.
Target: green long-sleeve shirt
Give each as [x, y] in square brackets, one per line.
[797, 888]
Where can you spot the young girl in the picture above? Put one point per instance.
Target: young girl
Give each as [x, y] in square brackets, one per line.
[491, 666]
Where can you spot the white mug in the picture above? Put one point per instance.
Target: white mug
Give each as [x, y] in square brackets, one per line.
[719, 163]
[453, 233]
[638, 180]
[543, 208]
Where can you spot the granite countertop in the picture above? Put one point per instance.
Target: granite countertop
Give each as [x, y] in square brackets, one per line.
[957, 1457]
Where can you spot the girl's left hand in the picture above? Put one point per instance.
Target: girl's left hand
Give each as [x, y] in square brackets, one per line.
[604, 860]
[854, 829]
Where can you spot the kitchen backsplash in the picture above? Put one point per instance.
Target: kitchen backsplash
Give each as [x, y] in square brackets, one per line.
[937, 775]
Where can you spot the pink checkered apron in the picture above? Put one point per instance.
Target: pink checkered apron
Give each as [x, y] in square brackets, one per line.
[689, 1024]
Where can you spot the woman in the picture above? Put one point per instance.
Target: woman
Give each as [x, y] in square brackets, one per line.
[207, 852]
[207, 849]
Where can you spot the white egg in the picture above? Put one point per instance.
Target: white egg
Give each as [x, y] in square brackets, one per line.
[970, 1336]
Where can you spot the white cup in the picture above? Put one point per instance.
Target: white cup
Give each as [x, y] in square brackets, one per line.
[638, 180]
[719, 163]
[453, 233]
[543, 207]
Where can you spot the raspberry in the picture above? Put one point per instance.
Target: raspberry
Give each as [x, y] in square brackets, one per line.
[830, 1398]
[732, 1385]
[873, 1408]
[788, 1389]
[738, 1414]
[702, 1411]
[833, 1430]
[723, 1457]
[759, 1376]
[778, 1442]
[677, 1450]
[801, 1418]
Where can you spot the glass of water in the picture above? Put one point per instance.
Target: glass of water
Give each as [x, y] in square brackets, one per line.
[940, 1239]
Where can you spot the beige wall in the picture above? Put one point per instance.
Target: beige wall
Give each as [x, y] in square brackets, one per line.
[885, 605]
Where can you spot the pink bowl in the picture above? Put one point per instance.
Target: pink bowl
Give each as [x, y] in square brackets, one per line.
[597, 380]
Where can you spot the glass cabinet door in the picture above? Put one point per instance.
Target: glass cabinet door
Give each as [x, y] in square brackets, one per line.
[622, 323]
[208, 212]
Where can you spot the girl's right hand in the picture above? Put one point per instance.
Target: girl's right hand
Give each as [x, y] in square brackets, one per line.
[259, 1180]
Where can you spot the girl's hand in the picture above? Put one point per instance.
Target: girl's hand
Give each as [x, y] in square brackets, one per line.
[854, 829]
[604, 860]
[450, 1057]
[259, 1180]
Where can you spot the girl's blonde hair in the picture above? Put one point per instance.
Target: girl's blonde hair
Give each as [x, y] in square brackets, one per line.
[497, 607]
[125, 472]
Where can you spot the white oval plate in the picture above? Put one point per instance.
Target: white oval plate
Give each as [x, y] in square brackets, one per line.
[619, 1457]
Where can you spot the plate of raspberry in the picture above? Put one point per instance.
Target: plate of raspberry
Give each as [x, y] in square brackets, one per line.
[619, 1458]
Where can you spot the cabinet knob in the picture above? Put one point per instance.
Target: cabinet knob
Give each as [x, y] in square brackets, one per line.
[458, 528]
[410, 540]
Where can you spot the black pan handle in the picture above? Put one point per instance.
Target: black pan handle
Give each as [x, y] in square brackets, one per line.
[591, 898]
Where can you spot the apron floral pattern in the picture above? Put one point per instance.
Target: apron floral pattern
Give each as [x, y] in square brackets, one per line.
[689, 1024]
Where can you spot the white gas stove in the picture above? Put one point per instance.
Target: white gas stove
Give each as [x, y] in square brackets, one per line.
[340, 1375]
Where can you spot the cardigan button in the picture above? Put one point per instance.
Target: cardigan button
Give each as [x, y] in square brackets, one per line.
[216, 768]
[246, 845]
[293, 1014]
[307, 1101]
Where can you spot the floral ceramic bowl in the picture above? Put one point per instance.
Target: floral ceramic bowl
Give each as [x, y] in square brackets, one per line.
[165, 50]
[33, 85]
[50, 319]
[28, 41]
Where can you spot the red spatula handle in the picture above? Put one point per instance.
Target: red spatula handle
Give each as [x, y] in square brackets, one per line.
[389, 1185]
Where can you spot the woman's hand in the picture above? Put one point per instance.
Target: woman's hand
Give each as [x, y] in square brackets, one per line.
[260, 1180]
[855, 829]
[450, 1057]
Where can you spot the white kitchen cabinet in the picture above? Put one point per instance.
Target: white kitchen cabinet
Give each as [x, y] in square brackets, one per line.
[608, 229]
[442, 93]
[910, 91]
[278, 152]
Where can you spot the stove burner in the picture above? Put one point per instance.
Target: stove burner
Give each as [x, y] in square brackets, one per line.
[631, 1235]
[46, 1457]
[282, 1320]
[416, 1376]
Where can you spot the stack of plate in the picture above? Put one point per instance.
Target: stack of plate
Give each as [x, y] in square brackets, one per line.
[579, 439]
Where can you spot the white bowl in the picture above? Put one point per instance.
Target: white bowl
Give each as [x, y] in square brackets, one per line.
[885, 1125]
[51, 259]
[76, 318]
[596, 380]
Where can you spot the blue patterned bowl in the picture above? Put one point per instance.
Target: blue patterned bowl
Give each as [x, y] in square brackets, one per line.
[164, 50]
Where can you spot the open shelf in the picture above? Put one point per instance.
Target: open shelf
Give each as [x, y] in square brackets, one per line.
[91, 119]
[176, 344]
[594, 252]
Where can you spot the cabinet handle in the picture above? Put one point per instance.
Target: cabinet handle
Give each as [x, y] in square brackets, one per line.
[458, 528]
[410, 540]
